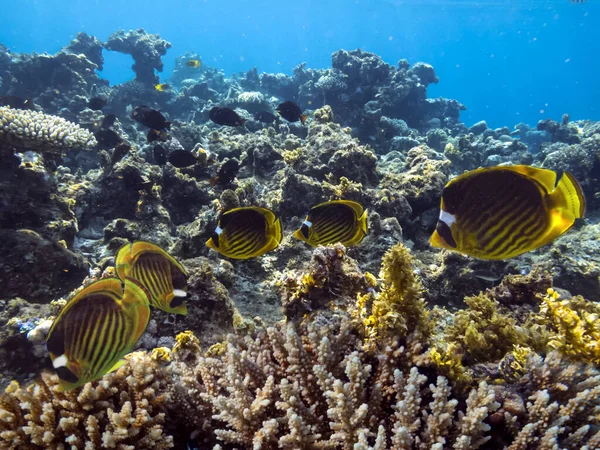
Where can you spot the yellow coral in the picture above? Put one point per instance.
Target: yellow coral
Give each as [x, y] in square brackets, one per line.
[398, 308]
[161, 355]
[186, 341]
[574, 326]
[448, 361]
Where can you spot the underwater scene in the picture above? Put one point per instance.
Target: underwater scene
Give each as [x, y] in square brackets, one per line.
[321, 225]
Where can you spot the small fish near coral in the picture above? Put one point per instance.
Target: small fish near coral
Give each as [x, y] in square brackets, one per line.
[95, 329]
[291, 112]
[341, 221]
[194, 63]
[150, 118]
[182, 158]
[226, 173]
[156, 135]
[97, 103]
[246, 232]
[15, 102]
[162, 87]
[108, 121]
[265, 117]
[225, 116]
[501, 212]
[161, 274]
[160, 155]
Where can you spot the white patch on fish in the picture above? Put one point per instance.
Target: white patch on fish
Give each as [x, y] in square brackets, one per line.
[218, 230]
[308, 223]
[447, 218]
[61, 361]
[179, 293]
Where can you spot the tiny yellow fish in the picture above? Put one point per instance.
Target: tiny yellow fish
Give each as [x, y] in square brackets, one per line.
[504, 211]
[193, 63]
[341, 221]
[246, 232]
[95, 329]
[156, 270]
[162, 87]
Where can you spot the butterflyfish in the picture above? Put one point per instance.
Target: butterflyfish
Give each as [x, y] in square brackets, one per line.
[343, 221]
[161, 274]
[504, 211]
[162, 87]
[193, 63]
[246, 232]
[95, 329]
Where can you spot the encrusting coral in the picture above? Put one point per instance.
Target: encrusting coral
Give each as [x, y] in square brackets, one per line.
[33, 130]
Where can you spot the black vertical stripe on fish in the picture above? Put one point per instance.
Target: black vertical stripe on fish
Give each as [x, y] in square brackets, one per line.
[102, 352]
[444, 231]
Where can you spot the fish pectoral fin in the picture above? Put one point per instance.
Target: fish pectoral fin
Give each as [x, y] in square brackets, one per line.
[298, 235]
[118, 364]
[363, 222]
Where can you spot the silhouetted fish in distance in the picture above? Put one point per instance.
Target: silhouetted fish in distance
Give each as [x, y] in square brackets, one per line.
[97, 103]
[150, 118]
[225, 116]
[265, 116]
[155, 135]
[226, 173]
[182, 158]
[291, 112]
[16, 102]
[108, 121]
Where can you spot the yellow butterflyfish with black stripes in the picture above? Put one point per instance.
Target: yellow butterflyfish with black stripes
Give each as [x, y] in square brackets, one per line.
[246, 232]
[504, 211]
[95, 329]
[343, 221]
[161, 274]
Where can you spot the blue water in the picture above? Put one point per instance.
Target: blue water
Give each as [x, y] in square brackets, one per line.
[508, 61]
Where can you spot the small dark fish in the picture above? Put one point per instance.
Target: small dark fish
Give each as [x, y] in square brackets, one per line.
[291, 112]
[193, 63]
[97, 103]
[160, 155]
[486, 275]
[265, 116]
[162, 87]
[121, 149]
[108, 138]
[108, 121]
[161, 274]
[182, 158]
[226, 173]
[246, 232]
[150, 118]
[16, 102]
[155, 135]
[225, 116]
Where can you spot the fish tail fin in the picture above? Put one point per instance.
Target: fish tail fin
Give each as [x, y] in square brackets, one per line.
[278, 233]
[363, 222]
[568, 197]
[303, 118]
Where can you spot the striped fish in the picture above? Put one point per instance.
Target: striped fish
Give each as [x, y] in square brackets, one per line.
[156, 270]
[95, 329]
[246, 232]
[501, 212]
[341, 221]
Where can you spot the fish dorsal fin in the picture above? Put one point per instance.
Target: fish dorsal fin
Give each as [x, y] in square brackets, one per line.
[128, 254]
[355, 206]
[545, 177]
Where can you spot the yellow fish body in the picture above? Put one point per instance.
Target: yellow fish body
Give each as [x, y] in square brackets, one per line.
[193, 63]
[162, 87]
[504, 211]
[341, 221]
[156, 270]
[246, 232]
[95, 329]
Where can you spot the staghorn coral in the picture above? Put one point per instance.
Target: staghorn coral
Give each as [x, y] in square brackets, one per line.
[33, 130]
[123, 410]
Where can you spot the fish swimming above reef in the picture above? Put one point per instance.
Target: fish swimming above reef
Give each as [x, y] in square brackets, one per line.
[265, 117]
[226, 116]
[97, 103]
[150, 118]
[501, 212]
[246, 232]
[156, 135]
[182, 158]
[193, 63]
[291, 112]
[107, 138]
[108, 121]
[226, 173]
[160, 155]
[163, 87]
[156, 270]
[16, 102]
[95, 329]
[341, 221]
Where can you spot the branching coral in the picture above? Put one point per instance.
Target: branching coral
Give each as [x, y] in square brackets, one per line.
[123, 410]
[33, 130]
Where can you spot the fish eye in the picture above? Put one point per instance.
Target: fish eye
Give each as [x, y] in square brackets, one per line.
[445, 233]
[65, 374]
